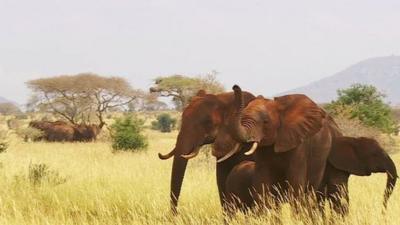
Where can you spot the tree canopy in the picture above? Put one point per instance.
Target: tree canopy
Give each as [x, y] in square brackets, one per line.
[367, 104]
[182, 88]
[78, 98]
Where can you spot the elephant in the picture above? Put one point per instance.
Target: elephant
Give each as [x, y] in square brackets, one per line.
[206, 121]
[291, 139]
[359, 156]
[85, 133]
[60, 131]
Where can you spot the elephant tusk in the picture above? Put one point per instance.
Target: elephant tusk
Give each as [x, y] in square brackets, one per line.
[231, 153]
[166, 156]
[192, 155]
[253, 149]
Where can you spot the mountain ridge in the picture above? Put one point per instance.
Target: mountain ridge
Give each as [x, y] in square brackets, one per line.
[382, 72]
[3, 100]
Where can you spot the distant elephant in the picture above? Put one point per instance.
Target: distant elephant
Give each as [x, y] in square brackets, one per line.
[85, 133]
[43, 125]
[359, 156]
[206, 121]
[58, 131]
[291, 137]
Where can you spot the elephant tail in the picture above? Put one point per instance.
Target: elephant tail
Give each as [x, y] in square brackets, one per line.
[391, 180]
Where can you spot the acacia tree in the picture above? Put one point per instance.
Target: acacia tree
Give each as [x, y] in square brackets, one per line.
[77, 98]
[147, 102]
[182, 88]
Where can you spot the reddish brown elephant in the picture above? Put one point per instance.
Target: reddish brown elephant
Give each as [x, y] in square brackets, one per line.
[60, 131]
[85, 132]
[359, 156]
[205, 121]
[291, 137]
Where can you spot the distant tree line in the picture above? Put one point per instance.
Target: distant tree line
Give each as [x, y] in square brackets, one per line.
[87, 97]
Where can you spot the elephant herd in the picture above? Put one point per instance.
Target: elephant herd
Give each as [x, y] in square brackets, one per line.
[60, 131]
[266, 147]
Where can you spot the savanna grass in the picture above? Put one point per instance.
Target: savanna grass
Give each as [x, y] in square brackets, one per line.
[107, 188]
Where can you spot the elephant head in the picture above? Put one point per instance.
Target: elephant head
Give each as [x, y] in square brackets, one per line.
[204, 121]
[363, 156]
[284, 122]
[85, 132]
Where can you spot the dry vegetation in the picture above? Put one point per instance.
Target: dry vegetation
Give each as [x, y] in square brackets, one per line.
[85, 183]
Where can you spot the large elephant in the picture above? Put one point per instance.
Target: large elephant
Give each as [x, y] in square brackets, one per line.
[291, 137]
[359, 156]
[205, 121]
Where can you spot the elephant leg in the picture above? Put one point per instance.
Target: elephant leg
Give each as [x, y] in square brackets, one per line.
[239, 188]
[338, 192]
[223, 170]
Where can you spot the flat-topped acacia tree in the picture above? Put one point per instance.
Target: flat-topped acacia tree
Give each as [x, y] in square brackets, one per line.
[182, 88]
[77, 98]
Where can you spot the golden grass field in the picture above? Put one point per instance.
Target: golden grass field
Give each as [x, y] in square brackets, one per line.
[108, 188]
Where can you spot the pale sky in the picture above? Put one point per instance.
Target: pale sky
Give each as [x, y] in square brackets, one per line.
[267, 47]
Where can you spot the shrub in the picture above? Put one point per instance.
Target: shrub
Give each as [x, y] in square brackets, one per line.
[21, 116]
[3, 141]
[365, 103]
[355, 128]
[30, 133]
[40, 173]
[13, 124]
[126, 134]
[164, 123]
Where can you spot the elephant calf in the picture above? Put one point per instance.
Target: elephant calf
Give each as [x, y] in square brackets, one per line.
[359, 156]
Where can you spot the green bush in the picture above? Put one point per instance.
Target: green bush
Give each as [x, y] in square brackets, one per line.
[126, 134]
[365, 103]
[164, 123]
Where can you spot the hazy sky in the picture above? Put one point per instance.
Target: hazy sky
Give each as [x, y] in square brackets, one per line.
[265, 46]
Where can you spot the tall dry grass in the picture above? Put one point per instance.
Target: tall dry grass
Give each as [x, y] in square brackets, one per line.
[107, 188]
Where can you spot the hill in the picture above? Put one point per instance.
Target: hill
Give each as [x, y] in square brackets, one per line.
[3, 100]
[382, 72]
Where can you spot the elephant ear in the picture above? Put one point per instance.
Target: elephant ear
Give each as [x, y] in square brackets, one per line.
[300, 118]
[346, 155]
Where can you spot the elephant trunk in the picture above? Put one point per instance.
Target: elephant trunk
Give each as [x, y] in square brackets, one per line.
[240, 130]
[184, 145]
[391, 179]
[178, 172]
